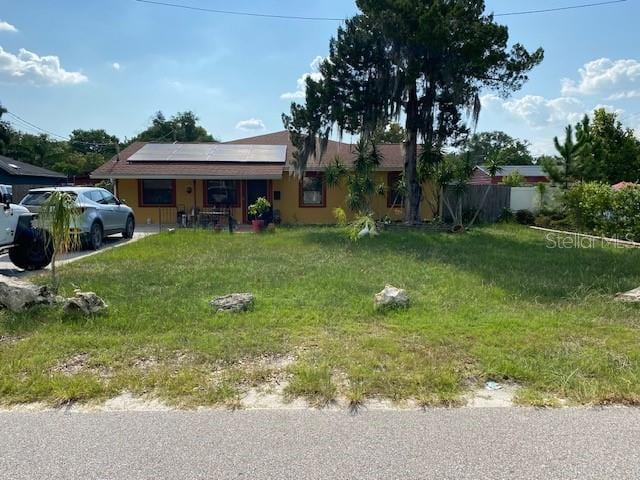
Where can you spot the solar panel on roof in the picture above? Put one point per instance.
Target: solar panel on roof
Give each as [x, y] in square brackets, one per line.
[210, 152]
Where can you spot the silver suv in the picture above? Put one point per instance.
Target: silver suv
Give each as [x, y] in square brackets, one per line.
[101, 213]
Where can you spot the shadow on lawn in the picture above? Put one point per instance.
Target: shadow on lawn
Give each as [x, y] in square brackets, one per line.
[513, 258]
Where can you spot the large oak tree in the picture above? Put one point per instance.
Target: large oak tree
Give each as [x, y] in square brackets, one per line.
[421, 61]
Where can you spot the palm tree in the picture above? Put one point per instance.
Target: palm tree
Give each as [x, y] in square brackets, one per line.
[57, 217]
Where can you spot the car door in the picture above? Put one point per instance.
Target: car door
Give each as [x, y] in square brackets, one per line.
[113, 211]
[95, 196]
[8, 222]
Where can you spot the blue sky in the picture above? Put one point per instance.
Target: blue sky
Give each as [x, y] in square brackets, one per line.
[111, 64]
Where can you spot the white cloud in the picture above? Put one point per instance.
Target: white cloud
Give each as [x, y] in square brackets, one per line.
[33, 68]
[7, 27]
[116, 66]
[314, 74]
[190, 88]
[610, 108]
[624, 95]
[538, 111]
[251, 124]
[602, 83]
[616, 78]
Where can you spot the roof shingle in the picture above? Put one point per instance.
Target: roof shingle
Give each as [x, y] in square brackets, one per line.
[9, 165]
[123, 168]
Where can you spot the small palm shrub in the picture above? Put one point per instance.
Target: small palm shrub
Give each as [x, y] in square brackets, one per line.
[57, 217]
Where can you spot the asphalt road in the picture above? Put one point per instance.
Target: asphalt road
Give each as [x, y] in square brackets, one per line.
[468, 443]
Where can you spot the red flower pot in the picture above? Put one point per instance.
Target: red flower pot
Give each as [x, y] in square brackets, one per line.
[257, 225]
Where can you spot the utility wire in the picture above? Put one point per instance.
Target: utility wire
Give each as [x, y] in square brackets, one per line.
[80, 142]
[335, 19]
[36, 127]
[559, 9]
[245, 14]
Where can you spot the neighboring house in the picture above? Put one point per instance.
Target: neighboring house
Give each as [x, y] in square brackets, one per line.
[158, 178]
[24, 176]
[531, 173]
[621, 185]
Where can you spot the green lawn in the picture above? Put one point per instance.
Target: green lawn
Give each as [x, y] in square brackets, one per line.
[494, 303]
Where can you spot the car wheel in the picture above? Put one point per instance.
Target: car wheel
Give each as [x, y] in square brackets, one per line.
[33, 255]
[129, 228]
[96, 235]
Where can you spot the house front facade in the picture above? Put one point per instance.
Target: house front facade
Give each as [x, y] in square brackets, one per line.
[162, 181]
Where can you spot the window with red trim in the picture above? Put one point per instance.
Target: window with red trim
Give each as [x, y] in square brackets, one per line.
[157, 193]
[222, 193]
[313, 191]
[395, 197]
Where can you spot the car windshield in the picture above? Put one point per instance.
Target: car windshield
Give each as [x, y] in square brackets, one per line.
[38, 198]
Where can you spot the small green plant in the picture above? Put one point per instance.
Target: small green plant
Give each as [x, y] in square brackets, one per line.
[57, 217]
[514, 179]
[541, 189]
[362, 226]
[340, 216]
[259, 208]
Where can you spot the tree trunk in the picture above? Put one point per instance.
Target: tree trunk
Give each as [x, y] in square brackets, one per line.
[414, 189]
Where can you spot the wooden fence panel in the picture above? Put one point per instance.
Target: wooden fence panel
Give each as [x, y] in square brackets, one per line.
[498, 198]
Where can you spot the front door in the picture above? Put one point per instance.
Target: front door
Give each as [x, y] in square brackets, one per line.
[255, 189]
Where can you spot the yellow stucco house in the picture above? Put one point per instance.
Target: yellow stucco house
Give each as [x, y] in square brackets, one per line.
[161, 182]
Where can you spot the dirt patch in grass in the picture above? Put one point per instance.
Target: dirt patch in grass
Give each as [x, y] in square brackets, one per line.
[485, 398]
[79, 364]
[9, 339]
[265, 372]
[145, 364]
[73, 365]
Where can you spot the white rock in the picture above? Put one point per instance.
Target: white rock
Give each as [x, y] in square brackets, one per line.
[85, 302]
[235, 302]
[630, 296]
[391, 297]
[16, 295]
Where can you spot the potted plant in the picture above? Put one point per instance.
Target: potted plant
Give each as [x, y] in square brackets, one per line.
[257, 210]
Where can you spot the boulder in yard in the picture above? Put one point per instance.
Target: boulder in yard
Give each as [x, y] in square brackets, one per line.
[630, 296]
[391, 297]
[16, 295]
[85, 302]
[234, 302]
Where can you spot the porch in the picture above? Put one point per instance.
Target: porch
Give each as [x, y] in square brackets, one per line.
[194, 203]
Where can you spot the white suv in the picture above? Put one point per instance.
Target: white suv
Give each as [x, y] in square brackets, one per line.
[101, 213]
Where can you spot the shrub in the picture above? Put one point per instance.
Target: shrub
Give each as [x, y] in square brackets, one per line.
[514, 179]
[506, 216]
[525, 217]
[597, 208]
[340, 216]
[543, 221]
[259, 208]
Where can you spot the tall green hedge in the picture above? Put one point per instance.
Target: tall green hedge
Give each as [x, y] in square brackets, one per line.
[596, 207]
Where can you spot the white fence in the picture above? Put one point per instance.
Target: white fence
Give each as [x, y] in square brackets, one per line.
[528, 198]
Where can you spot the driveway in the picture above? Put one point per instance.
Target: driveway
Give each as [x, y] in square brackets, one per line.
[9, 269]
[466, 443]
